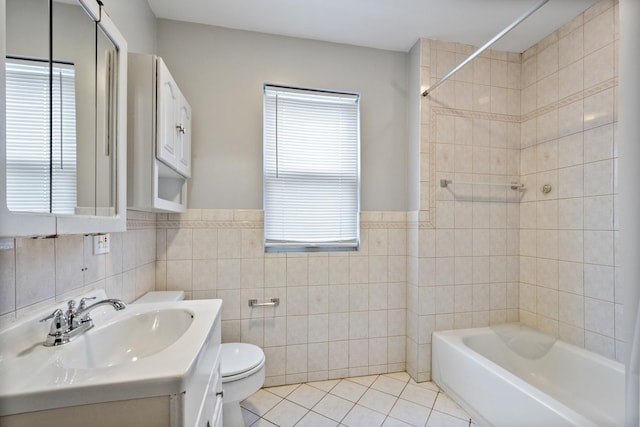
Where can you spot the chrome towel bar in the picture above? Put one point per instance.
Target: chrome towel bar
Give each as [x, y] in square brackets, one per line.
[444, 183]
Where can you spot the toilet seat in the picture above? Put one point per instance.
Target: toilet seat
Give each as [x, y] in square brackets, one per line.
[240, 360]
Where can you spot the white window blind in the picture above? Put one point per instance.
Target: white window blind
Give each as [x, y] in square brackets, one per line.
[311, 170]
[41, 162]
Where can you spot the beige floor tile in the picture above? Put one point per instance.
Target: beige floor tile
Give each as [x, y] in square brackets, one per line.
[285, 414]
[401, 376]
[392, 422]
[263, 423]
[438, 419]
[324, 385]
[410, 412]
[389, 385]
[283, 390]
[427, 384]
[348, 390]
[420, 395]
[261, 402]
[378, 401]
[313, 419]
[445, 405]
[306, 396]
[333, 407]
[333, 403]
[360, 416]
[365, 381]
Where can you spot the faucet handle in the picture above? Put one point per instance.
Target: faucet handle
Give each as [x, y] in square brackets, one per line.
[53, 315]
[60, 322]
[83, 302]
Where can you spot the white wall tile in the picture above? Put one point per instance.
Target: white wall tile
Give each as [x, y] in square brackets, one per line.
[598, 178]
[598, 247]
[69, 263]
[571, 118]
[571, 213]
[570, 47]
[35, 271]
[598, 32]
[598, 109]
[179, 244]
[571, 79]
[599, 282]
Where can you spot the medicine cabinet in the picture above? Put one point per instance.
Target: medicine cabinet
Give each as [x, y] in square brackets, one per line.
[62, 119]
[159, 150]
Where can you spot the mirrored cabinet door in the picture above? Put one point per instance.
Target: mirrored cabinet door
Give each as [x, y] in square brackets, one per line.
[65, 118]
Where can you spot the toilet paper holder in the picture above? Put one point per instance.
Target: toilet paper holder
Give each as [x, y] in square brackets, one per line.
[271, 302]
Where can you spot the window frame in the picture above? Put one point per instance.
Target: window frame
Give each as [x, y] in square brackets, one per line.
[352, 241]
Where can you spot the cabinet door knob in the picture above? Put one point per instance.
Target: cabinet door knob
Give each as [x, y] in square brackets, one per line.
[180, 128]
[220, 393]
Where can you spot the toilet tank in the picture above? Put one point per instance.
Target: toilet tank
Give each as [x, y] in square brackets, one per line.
[159, 296]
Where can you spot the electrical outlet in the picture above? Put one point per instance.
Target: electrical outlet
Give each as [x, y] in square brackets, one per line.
[101, 244]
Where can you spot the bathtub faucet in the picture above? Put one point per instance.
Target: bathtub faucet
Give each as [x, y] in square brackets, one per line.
[68, 325]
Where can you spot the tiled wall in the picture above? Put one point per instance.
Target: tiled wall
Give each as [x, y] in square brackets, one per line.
[568, 237]
[340, 314]
[463, 243]
[470, 256]
[35, 273]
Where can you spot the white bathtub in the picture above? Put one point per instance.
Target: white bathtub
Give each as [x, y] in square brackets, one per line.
[511, 375]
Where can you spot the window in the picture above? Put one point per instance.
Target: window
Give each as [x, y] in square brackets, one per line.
[41, 156]
[311, 170]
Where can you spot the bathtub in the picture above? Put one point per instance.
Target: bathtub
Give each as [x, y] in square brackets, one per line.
[511, 375]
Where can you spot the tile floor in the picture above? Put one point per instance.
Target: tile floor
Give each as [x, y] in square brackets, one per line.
[389, 400]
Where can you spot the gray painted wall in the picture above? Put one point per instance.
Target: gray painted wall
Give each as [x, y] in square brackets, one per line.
[135, 21]
[222, 71]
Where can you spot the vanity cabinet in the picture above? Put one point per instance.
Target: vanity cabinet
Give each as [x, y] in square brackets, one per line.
[159, 130]
[178, 386]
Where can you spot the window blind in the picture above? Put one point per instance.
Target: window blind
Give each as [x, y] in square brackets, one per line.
[311, 170]
[40, 180]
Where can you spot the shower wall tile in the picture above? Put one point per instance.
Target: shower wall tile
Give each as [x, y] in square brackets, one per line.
[463, 248]
[583, 157]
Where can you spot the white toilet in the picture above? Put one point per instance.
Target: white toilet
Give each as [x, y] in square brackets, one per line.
[241, 365]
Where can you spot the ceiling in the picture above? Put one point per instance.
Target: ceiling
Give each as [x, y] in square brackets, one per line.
[383, 24]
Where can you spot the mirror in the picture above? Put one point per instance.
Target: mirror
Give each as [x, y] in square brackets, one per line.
[61, 110]
[62, 165]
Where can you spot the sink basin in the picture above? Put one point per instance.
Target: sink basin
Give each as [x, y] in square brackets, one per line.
[145, 350]
[127, 340]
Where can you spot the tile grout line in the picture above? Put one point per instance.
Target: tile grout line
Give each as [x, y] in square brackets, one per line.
[387, 416]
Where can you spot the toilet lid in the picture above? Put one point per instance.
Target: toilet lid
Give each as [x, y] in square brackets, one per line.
[236, 358]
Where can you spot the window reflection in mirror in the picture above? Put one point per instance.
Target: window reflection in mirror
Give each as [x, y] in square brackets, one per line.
[40, 179]
[61, 162]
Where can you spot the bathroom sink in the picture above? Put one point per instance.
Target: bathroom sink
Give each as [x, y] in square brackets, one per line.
[142, 351]
[127, 340]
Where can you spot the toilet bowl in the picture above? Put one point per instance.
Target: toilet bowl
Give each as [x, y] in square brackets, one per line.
[242, 367]
[243, 371]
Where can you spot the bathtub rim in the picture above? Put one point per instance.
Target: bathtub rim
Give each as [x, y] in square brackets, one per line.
[455, 339]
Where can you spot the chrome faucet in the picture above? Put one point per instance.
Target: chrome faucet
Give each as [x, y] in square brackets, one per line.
[68, 325]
